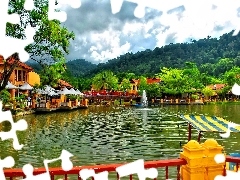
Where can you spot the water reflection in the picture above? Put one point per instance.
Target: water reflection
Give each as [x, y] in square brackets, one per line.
[108, 135]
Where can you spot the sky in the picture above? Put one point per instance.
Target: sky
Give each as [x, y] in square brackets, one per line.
[105, 30]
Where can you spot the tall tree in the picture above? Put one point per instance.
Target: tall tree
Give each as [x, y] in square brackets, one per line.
[51, 74]
[105, 80]
[173, 81]
[125, 85]
[51, 41]
[192, 76]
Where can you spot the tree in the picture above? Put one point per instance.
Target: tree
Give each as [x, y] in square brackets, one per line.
[105, 80]
[174, 82]
[192, 76]
[51, 74]
[232, 76]
[51, 41]
[125, 84]
[142, 84]
[154, 90]
[208, 92]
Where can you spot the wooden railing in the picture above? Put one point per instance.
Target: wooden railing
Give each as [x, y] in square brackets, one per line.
[12, 173]
[231, 159]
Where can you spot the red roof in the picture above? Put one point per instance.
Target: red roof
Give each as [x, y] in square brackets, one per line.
[153, 80]
[135, 81]
[11, 60]
[64, 83]
[216, 86]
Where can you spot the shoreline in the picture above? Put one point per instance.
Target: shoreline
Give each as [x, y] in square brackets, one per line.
[31, 111]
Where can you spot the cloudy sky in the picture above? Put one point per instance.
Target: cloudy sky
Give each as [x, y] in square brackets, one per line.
[105, 30]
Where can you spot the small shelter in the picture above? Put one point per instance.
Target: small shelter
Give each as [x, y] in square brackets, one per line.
[209, 124]
[25, 86]
[11, 86]
[64, 91]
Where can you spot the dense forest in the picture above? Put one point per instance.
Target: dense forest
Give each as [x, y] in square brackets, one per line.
[213, 56]
[182, 68]
[77, 67]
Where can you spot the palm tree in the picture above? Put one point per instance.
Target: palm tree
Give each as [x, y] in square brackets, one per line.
[105, 80]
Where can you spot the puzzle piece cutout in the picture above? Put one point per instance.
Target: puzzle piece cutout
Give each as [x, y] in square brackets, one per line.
[236, 89]
[193, 9]
[9, 45]
[230, 125]
[66, 166]
[20, 125]
[7, 162]
[87, 173]
[139, 12]
[137, 167]
[230, 175]
[29, 5]
[62, 15]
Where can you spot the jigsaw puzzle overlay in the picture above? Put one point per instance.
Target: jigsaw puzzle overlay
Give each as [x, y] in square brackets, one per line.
[13, 45]
[9, 47]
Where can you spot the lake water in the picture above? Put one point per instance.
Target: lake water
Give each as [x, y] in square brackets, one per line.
[108, 134]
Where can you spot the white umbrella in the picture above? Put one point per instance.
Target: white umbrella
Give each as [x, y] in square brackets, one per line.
[26, 86]
[73, 91]
[52, 93]
[40, 91]
[65, 91]
[48, 89]
[11, 86]
[78, 92]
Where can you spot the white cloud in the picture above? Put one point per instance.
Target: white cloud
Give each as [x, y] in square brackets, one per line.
[119, 33]
[107, 45]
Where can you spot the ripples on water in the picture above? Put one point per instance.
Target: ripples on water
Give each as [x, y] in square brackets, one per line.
[99, 136]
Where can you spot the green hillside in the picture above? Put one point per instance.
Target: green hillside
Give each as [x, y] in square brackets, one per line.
[213, 56]
[77, 67]
[208, 53]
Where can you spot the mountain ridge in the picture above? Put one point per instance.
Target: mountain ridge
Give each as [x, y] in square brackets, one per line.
[206, 53]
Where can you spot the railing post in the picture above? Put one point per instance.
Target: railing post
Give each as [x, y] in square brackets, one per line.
[193, 153]
[212, 148]
[200, 159]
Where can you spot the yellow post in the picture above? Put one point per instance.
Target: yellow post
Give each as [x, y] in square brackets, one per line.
[201, 164]
[212, 148]
[193, 153]
[161, 101]
[47, 105]
[69, 103]
[177, 101]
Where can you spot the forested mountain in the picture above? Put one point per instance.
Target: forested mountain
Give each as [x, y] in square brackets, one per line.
[77, 67]
[80, 67]
[213, 56]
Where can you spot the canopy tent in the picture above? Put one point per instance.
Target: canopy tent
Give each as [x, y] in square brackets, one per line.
[25, 86]
[208, 124]
[78, 92]
[64, 91]
[46, 90]
[73, 91]
[40, 91]
[52, 93]
[11, 86]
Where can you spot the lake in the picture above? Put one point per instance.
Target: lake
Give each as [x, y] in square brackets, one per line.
[100, 135]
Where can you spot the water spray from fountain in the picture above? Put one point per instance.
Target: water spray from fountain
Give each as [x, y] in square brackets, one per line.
[144, 101]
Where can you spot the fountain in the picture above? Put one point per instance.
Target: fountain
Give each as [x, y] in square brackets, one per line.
[144, 101]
